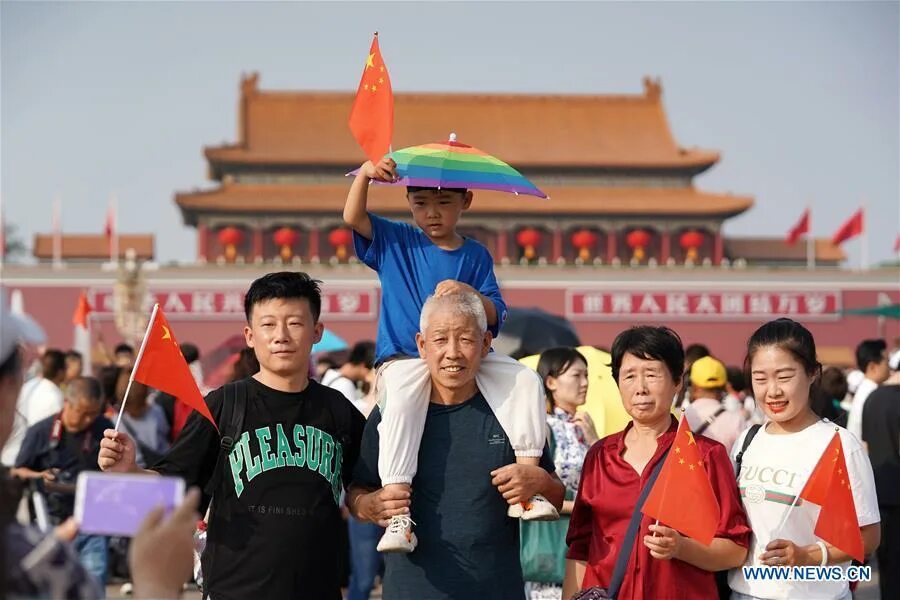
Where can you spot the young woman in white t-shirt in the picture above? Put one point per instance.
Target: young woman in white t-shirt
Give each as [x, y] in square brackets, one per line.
[781, 361]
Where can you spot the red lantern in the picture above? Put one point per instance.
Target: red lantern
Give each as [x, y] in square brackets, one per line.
[690, 241]
[638, 240]
[584, 240]
[285, 238]
[230, 237]
[528, 239]
[340, 238]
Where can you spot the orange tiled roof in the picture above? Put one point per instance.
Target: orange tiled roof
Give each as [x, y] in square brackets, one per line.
[572, 200]
[92, 246]
[621, 131]
[776, 249]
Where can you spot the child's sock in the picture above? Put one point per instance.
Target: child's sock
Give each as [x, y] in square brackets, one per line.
[537, 508]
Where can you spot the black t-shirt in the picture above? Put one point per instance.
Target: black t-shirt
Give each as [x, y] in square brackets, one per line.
[47, 446]
[468, 547]
[273, 531]
[881, 432]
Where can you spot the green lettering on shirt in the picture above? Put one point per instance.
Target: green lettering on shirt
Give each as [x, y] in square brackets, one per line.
[236, 458]
[300, 455]
[336, 483]
[253, 465]
[313, 447]
[325, 458]
[263, 435]
[285, 456]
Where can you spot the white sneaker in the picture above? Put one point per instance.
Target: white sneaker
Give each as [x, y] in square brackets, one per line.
[399, 536]
[516, 510]
[539, 508]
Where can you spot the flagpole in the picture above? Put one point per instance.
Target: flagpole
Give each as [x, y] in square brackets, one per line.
[787, 514]
[864, 240]
[136, 363]
[57, 232]
[810, 243]
[2, 236]
[114, 242]
[88, 365]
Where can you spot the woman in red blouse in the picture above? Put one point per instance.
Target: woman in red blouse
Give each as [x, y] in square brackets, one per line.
[647, 363]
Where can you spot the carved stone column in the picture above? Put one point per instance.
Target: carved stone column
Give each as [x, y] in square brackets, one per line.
[258, 242]
[557, 249]
[313, 242]
[666, 246]
[611, 249]
[719, 248]
[202, 242]
[502, 243]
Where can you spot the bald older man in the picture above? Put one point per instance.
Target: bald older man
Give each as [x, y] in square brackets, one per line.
[467, 476]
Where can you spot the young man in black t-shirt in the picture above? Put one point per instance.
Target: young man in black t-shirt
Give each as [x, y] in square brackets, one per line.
[273, 530]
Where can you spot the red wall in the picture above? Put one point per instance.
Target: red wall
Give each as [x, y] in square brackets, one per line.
[52, 306]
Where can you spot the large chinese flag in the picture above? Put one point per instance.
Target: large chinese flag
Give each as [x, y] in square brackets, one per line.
[682, 497]
[851, 228]
[829, 487]
[162, 366]
[372, 115]
[801, 228]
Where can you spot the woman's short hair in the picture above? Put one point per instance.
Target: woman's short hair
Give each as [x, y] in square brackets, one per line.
[650, 343]
[553, 363]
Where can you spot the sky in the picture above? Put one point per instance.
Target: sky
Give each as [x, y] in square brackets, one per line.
[800, 98]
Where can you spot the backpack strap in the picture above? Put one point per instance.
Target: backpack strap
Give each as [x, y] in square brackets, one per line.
[231, 423]
[751, 433]
[551, 441]
[618, 574]
[709, 421]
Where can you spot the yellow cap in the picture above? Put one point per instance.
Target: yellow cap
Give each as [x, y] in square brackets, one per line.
[707, 372]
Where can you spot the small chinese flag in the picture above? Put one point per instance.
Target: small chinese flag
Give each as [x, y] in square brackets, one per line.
[683, 483]
[829, 487]
[801, 228]
[850, 229]
[372, 115]
[161, 365]
[82, 310]
[897, 244]
[109, 225]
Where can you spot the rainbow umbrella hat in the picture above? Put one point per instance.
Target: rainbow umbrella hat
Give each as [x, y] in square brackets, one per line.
[451, 164]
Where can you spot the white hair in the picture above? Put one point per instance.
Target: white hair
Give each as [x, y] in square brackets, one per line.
[466, 304]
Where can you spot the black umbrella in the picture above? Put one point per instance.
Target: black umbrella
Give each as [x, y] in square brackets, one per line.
[532, 330]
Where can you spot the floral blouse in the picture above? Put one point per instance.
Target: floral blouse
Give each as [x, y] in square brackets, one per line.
[571, 447]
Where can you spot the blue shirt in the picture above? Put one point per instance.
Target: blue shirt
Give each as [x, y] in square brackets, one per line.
[409, 267]
[69, 452]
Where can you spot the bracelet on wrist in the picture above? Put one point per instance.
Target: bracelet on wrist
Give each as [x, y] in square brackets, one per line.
[824, 549]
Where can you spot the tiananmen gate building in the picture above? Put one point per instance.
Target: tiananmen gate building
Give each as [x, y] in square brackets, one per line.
[626, 236]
